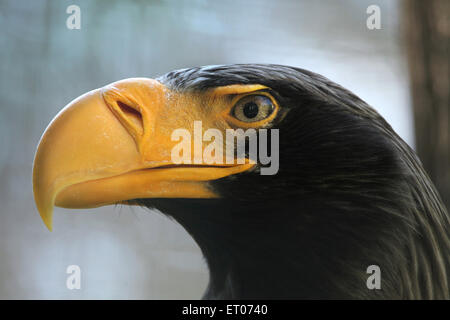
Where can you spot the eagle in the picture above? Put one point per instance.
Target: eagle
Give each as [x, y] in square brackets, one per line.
[347, 194]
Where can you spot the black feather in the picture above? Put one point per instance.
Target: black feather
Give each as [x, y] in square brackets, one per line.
[349, 193]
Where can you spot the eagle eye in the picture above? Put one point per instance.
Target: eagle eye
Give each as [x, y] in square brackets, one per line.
[253, 108]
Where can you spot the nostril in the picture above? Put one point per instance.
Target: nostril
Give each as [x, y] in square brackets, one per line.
[129, 111]
[132, 115]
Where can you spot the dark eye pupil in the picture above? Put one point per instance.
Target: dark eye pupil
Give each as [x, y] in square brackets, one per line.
[250, 110]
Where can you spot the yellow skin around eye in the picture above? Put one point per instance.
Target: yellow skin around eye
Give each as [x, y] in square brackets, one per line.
[237, 93]
[264, 105]
[252, 124]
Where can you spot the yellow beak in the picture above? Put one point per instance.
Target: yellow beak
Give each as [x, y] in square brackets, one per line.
[114, 144]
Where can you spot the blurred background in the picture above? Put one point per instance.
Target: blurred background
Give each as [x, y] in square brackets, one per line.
[134, 253]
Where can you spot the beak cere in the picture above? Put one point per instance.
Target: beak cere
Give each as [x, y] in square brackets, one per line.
[114, 144]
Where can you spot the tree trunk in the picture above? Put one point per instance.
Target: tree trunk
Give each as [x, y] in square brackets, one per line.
[427, 30]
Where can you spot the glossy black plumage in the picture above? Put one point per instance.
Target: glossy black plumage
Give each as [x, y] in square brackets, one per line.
[349, 193]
